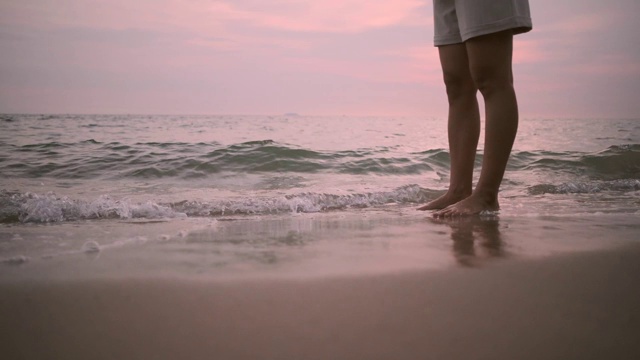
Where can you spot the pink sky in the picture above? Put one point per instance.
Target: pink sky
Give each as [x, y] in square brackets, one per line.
[331, 57]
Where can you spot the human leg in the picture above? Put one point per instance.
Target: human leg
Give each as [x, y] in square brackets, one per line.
[490, 58]
[463, 124]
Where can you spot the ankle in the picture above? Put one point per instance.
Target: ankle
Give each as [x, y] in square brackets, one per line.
[460, 191]
[488, 196]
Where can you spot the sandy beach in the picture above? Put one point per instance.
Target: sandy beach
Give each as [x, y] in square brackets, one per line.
[570, 306]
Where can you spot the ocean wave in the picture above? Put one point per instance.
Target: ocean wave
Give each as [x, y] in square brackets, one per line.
[90, 159]
[589, 187]
[615, 162]
[50, 208]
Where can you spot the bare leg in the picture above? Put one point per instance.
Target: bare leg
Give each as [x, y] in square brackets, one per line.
[490, 64]
[463, 124]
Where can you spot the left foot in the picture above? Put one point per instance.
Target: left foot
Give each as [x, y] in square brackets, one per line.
[473, 205]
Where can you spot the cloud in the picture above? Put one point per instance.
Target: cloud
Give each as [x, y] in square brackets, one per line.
[330, 16]
[222, 24]
[263, 55]
[156, 15]
[609, 65]
[291, 15]
[580, 24]
[529, 51]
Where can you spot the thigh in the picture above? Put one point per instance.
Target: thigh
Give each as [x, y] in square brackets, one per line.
[454, 61]
[490, 57]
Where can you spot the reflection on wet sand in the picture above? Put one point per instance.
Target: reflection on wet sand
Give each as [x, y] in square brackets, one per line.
[475, 239]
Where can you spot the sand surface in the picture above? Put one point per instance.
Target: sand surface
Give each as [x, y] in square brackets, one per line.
[570, 306]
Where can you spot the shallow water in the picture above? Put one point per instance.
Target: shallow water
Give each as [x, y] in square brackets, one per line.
[360, 242]
[98, 184]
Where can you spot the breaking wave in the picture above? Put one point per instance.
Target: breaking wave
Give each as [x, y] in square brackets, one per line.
[589, 187]
[48, 208]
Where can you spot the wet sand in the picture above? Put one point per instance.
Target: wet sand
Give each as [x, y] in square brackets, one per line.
[569, 306]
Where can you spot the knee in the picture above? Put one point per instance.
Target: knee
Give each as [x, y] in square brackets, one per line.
[459, 87]
[489, 82]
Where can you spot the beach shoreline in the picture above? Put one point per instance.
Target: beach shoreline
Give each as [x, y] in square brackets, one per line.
[570, 306]
[389, 240]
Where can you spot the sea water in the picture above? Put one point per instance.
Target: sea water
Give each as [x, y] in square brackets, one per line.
[252, 185]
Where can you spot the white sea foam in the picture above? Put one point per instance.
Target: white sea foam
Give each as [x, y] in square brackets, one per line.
[16, 260]
[46, 208]
[586, 187]
[91, 247]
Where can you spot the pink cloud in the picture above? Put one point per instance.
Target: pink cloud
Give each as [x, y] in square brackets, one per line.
[416, 66]
[609, 65]
[580, 24]
[529, 51]
[324, 16]
[206, 20]
[321, 16]
[419, 63]
[157, 15]
[236, 42]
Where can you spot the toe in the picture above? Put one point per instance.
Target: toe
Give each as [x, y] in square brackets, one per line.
[443, 213]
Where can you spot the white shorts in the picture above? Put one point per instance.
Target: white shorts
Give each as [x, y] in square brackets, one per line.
[456, 21]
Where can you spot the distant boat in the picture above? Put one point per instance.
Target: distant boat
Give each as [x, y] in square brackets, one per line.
[291, 114]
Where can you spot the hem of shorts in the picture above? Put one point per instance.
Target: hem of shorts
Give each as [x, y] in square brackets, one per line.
[520, 24]
[447, 40]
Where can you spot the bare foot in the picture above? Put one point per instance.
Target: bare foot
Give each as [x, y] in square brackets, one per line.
[443, 201]
[472, 205]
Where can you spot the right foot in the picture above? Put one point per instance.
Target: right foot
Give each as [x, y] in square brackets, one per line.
[444, 201]
[472, 205]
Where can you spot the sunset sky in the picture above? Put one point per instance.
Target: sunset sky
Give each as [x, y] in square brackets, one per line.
[330, 57]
